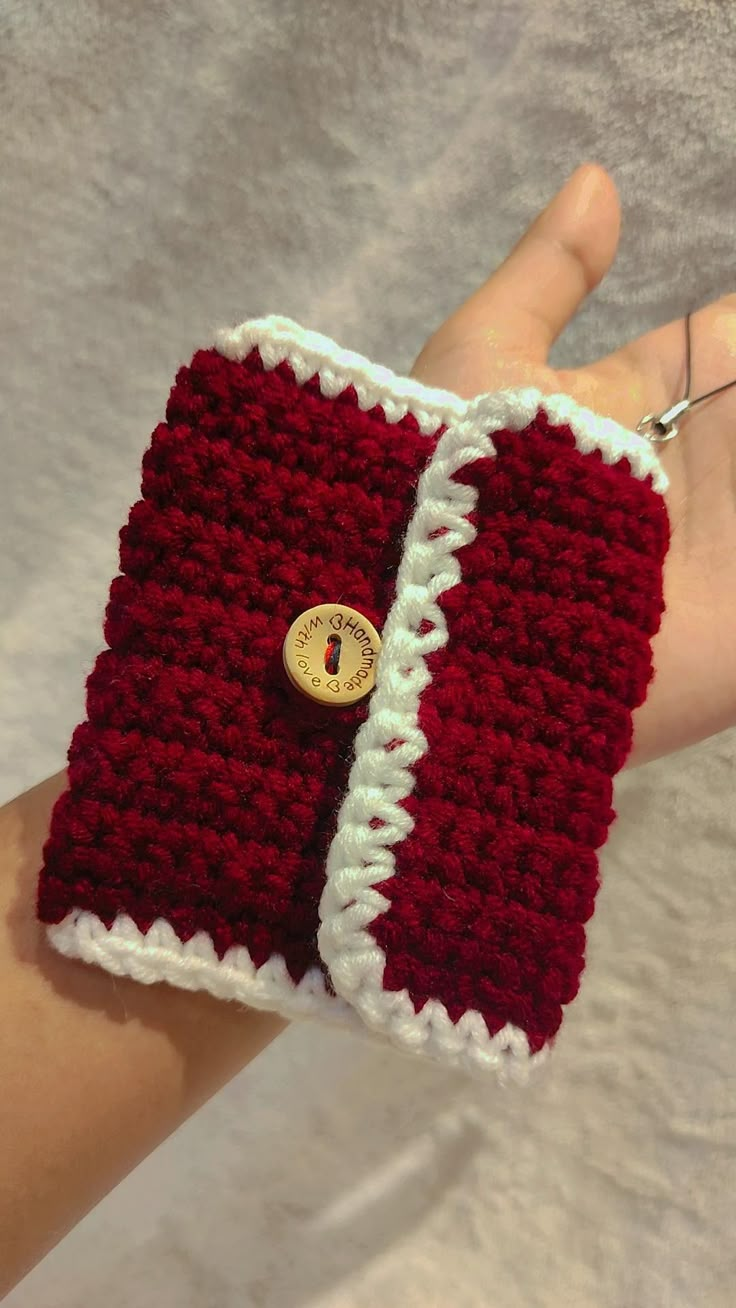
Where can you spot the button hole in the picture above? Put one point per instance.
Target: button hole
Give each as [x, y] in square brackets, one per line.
[332, 655]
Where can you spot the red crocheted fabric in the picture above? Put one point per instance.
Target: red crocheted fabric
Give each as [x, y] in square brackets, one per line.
[423, 861]
[203, 787]
[527, 719]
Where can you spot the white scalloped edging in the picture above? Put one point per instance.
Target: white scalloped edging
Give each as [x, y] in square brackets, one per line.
[280, 339]
[159, 955]
[307, 353]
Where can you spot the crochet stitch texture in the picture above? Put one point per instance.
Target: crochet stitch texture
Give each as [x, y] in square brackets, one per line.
[423, 861]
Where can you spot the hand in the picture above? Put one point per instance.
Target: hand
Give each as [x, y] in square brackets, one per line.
[502, 335]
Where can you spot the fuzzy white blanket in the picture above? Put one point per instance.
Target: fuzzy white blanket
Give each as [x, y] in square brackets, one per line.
[166, 168]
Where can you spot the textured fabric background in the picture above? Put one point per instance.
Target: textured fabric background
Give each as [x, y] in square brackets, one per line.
[168, 168]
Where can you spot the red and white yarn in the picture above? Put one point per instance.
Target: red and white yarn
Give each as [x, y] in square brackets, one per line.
[373, 818]
[463, 481]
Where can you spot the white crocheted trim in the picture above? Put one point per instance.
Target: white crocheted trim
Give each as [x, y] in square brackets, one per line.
[159, 955]
[372, 819]
[516, 408]
[307, 353]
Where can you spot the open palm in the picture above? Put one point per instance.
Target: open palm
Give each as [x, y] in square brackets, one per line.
[502, 336]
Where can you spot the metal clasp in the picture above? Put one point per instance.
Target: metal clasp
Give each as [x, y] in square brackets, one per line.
[662, 427]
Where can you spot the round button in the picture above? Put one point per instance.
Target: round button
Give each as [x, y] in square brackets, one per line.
[330, 654]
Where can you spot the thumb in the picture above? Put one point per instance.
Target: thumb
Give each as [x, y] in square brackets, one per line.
[560, 259]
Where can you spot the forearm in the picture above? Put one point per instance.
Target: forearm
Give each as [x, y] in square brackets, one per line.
[96, 1070]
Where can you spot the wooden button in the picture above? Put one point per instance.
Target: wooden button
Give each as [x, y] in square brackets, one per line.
[330, 654]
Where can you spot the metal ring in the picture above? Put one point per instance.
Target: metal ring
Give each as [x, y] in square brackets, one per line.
[649, 427]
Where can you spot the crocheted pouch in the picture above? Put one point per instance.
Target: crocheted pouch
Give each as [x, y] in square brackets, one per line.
[421, 860]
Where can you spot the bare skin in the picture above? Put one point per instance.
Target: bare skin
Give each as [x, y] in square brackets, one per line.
[502, 335]
[97, 1071]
